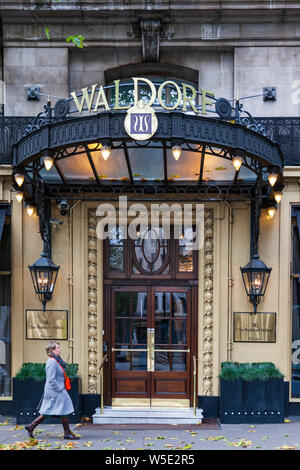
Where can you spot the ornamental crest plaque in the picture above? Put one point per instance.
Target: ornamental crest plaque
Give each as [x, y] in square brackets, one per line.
[141, 122]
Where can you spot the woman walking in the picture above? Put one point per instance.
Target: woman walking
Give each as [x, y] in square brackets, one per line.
[56, 400]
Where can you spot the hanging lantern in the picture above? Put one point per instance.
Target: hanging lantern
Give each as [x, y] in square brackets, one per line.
[255, 277]
[19, 178]
[272, 178]
[105, 151]
[271, 211]
[19, 196]
[176, 151]
[30, 209]
[44, 274]
[278, 196]
[237, 163]
[48, 162]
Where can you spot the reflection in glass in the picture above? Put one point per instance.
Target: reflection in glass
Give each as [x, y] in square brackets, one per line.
[138, 332]
[122, 360]
[163, 361]
[162, 331]
[179, 300]
[151, 250]
[139, 307]
[179, 361]
[162, 304]
[185, 251]
[116, 249]
[178, 331]
[122, 328]
[122, 304]
[139, 360]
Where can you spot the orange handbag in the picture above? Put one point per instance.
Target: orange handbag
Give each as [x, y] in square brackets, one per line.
[67, 380]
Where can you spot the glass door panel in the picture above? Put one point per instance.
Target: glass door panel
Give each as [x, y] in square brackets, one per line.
[151, 340]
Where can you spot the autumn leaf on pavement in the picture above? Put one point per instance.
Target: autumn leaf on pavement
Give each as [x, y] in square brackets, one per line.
[88, 444]
[286, 448]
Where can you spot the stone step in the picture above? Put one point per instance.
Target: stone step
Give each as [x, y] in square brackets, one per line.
[155, 415]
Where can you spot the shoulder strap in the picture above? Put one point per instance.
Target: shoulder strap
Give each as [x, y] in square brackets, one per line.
[60, 366]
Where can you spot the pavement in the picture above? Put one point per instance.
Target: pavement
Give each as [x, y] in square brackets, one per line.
[209, 436]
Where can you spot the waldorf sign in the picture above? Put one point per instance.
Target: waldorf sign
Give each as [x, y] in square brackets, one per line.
[140, 121]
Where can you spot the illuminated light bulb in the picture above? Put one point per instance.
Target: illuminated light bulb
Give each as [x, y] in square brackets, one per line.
[48, 162]
[237, 163]
[19, 196]
[30, 210]
[19, 179]
[278, 196]
[105, 151]
[176, 151]
[271, 211]
[272, 178]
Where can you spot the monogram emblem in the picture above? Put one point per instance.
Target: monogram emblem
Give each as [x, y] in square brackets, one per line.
[140, 122]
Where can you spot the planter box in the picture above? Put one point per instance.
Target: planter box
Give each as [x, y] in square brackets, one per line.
[252, 402]
[27, 395]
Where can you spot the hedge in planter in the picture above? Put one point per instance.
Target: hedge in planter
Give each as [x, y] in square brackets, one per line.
[28, 388]
[251, 393]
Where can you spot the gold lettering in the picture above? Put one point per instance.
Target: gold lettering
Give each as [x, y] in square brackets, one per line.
[189, 99]
[204, 100]
[136, 90]
[117, 97]
[179, 95]
[85, 97]
[101, 100]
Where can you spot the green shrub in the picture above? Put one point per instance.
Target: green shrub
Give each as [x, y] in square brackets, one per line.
[249, 371]
[37, 371]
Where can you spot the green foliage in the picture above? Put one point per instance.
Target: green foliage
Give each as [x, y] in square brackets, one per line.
[77, 40]
[249, 371]
[37, 372]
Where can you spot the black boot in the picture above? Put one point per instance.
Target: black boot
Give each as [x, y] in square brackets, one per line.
[68, 434]
[30, 427]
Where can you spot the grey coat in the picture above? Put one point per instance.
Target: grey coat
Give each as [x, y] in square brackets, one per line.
[56, 400]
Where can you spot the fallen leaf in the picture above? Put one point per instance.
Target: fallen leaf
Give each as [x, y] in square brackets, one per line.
[286, 448]
[88, 444]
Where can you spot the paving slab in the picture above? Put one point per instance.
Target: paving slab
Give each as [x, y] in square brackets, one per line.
[210, 436]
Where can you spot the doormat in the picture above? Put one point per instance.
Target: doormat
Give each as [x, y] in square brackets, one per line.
[207, 424]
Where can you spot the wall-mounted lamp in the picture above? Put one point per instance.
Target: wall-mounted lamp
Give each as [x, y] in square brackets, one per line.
[255, 277]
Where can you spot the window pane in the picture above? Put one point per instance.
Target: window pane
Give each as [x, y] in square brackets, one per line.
[185, 251]
[179, 300]
[295, 380]
[5, 336]
[5, 264]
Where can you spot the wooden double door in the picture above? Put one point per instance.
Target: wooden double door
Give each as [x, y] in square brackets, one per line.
[150, 343]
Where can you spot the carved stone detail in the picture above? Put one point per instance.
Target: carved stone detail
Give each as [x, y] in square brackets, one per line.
[208, 301]
[92, 302]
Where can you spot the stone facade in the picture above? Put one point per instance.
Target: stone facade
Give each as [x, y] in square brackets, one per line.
[234, 49]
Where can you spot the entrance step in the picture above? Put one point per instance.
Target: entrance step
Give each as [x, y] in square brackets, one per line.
[147, 415]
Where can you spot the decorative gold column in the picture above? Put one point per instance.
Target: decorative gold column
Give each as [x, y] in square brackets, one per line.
[92, 302]
[208, 301]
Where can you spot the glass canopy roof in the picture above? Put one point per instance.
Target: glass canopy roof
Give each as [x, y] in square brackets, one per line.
[155, 163]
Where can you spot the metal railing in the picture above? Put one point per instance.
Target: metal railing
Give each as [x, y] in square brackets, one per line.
[100, 371]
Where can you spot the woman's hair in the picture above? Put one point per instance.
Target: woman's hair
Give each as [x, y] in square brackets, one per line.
[50, 346]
